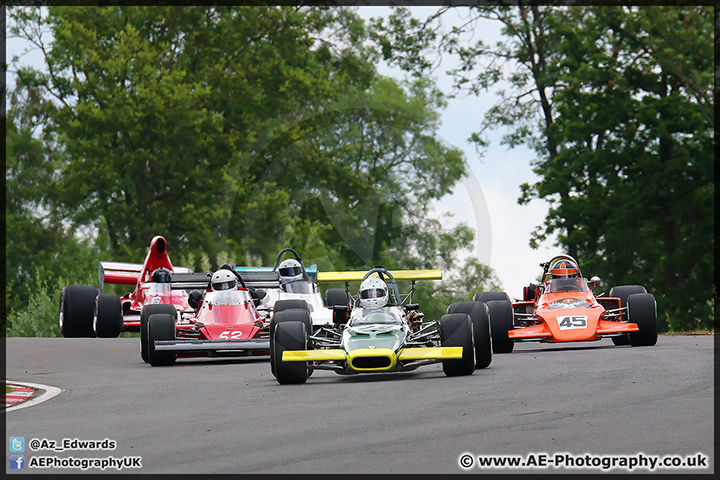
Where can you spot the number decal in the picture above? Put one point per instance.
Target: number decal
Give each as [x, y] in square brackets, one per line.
[231, 335]
[568, 322]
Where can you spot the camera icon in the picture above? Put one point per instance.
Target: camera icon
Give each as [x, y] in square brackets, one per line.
[17, 444]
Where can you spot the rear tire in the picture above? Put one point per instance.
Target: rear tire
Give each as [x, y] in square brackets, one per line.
[145, 313]
[642, 310]
[489, 296]
[294, 303]
[290, 336]
[108, 318]
[456, 331]
[501, 322]
[336, 297]
[622, 292]
[77, 308]
[161, 326]
[478, 312]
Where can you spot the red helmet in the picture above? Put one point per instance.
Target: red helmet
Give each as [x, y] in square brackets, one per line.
[564, 269]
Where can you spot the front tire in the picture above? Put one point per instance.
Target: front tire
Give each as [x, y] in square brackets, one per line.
[642, 310]
[288, 315]
[145, 313]
[489, 296]
[478, 312]
[77, 308]
[501, 322]
[290, 336]
[336, 297]
[623, 292]
[161, 326]
[456, 331]
[108, 318]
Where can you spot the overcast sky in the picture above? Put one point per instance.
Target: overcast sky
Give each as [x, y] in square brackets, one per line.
[487, 199]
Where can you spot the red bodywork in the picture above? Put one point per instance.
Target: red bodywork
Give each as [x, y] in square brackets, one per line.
[139, 275]
[567, 311]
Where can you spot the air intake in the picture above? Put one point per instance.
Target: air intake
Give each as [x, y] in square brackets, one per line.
[371, 362]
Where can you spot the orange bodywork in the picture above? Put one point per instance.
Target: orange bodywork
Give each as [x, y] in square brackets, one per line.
[577, 317]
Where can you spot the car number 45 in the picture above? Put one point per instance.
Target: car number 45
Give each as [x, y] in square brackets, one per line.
[234, 335]
[568, 322]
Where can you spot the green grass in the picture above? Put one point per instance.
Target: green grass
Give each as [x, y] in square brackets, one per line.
[689, 332]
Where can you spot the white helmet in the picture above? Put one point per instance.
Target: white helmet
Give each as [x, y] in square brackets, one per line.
[373, 293]
[223, 280]
[290, 271]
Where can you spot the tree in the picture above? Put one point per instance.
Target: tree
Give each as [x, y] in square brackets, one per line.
[617, 102]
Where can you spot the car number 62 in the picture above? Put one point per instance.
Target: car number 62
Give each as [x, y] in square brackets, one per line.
[234, 335]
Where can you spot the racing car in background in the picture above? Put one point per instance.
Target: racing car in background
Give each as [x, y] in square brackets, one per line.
[562, 308]
[85, 311]
[377, 331]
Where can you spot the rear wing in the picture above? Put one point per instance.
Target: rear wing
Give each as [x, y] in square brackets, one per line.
[121, 273]
[202, 280]
[311, 271]
[398, 274]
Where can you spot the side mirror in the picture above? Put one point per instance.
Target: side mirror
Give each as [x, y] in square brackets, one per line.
[412, 307]
[595, 281]
[260, 293]
[340, 314]
[194, 298]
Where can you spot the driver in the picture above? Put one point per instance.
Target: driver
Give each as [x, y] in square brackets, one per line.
[223, 280]
[565, 273]
[373, 293]
[290, 271]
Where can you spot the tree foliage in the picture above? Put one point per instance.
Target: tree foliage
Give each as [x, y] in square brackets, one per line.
[617, 103]
[232, 131]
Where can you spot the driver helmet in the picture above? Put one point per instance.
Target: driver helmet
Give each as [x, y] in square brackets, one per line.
[290, 271]
[564, 269]
[161, 275]
[373, 293]
[223, 280]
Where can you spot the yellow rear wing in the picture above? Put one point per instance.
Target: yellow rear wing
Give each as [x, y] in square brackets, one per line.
[398, 274]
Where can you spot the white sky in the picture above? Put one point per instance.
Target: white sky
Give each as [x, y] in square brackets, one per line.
[487, 199]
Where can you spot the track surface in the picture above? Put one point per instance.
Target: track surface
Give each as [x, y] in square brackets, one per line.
[231, 416]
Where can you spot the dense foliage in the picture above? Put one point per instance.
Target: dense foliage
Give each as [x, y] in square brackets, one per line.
[232, 131]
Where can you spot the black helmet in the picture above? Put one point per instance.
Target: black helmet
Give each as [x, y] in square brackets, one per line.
[161, 275]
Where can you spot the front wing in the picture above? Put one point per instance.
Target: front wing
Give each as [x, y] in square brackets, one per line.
[373, 360]
[199, 346]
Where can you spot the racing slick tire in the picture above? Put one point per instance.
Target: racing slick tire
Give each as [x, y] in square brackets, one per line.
[77, 308]
[478, 312]
[294, 303]
[145, 313]
[501, 322]
[489, 296]
[289, 315]
[622, 292]
[336, 297]
[161, 326]
[290, 336]
[642, 309]
[108, 318]
[456, 330]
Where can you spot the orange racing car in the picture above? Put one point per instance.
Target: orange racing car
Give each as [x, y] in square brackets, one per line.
[562, 308]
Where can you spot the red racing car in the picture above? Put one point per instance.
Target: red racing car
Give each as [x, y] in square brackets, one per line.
[563, 309]
[223, 319]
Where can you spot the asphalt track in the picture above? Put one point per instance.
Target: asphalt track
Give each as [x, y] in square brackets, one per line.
[231, 416]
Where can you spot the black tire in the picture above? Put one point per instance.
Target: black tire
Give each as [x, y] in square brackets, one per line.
[108, 318]
[289, 315]
[161, 326]
[290, 336]
[478, 312]
[336, 297]
[456, 331]
[622, 292]
[145, 313]
[489, 296]
[501, 322]
[281, 305]
[642, 310]
[77, 308]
